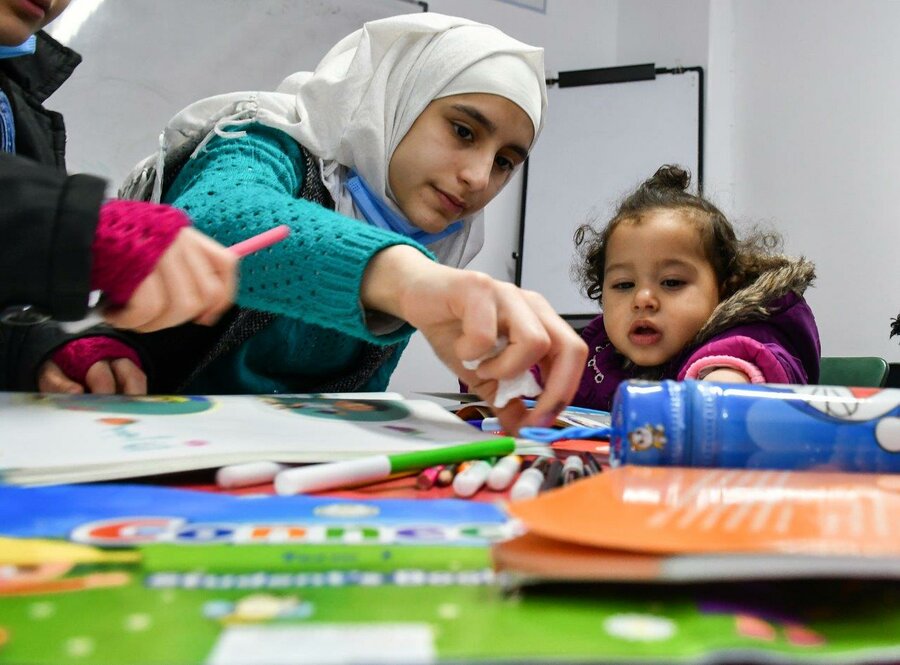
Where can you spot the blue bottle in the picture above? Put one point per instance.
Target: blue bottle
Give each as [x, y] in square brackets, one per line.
[703, 424]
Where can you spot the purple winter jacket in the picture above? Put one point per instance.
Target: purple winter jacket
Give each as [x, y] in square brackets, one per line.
[767, 324]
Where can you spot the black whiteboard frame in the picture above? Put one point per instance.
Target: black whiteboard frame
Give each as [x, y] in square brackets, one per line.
[601, 76]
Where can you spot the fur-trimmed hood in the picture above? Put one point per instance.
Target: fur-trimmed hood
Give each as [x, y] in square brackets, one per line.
[754, 303]
[750, 303]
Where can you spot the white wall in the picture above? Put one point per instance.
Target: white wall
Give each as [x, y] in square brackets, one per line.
[671, 34]
[804, 102]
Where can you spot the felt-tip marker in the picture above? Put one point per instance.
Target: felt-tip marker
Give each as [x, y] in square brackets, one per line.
[530, 480]
[553, 475]
[503, 472]
[428, 477]
[248, 474]
[260, 241]
[471, 479]
[572, 469]
[446, 475]
[591, 468]
[317, 477]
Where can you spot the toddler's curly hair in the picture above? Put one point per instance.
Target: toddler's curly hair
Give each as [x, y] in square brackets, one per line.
[736, 262]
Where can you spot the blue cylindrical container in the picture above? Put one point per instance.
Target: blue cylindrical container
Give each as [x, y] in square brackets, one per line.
[730, 425]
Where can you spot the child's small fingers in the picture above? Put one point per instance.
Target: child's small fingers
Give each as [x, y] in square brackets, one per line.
[210, 293]
[478, 308]
[214, 269]
[181, 291]
[100, 379]
[52, 380]
[169, 301]
[513, 416]
[130, 379]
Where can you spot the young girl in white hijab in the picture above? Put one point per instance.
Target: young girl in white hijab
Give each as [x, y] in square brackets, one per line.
[378, 161]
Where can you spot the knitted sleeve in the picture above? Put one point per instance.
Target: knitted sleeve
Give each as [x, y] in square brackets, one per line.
[237, 187]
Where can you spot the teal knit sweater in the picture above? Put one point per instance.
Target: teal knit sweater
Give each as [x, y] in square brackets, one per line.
[238, 187]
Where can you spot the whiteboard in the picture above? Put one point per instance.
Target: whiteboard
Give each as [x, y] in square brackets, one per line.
[145, 61]
[598, 144]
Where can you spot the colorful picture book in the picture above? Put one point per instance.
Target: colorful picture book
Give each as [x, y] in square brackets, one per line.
[77, 438]
[638, 523]
[139, 575]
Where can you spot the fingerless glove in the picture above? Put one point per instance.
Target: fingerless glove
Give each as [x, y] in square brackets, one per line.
[130, 239]
[76, 357]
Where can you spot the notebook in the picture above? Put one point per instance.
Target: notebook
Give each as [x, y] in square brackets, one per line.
[52, 439]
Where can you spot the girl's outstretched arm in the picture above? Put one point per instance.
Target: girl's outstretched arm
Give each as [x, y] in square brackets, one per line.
[462, 312]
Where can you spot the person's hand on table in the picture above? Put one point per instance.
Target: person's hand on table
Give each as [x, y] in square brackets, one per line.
[462, 313]
[105, 377]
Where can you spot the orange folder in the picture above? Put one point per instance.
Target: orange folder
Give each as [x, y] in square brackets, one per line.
[678, 523]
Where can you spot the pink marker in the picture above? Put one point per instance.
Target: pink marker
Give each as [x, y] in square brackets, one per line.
[261, 241]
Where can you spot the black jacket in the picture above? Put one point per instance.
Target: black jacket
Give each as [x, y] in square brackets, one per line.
[47, 218]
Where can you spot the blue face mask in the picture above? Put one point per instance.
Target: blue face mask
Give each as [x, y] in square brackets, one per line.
[26, 48]
[378, 214]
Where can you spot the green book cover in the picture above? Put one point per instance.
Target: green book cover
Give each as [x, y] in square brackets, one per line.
[168, 577]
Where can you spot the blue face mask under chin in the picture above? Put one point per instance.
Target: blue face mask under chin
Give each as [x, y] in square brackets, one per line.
[25, 48]
[377, 213]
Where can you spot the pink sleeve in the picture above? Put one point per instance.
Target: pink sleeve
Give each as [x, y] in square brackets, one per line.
[696, 369]
[77, 357]
[130, 239]
[739, 352]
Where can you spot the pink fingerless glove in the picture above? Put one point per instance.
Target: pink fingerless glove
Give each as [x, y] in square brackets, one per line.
[77, 357]
[130, 239]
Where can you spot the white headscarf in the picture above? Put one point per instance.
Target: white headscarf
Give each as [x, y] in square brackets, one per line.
[367, 91]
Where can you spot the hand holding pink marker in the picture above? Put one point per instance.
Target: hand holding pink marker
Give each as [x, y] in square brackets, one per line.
[241, 249]
[261, 240]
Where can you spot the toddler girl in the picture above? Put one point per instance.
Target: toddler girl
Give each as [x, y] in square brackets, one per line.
[683, 298]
